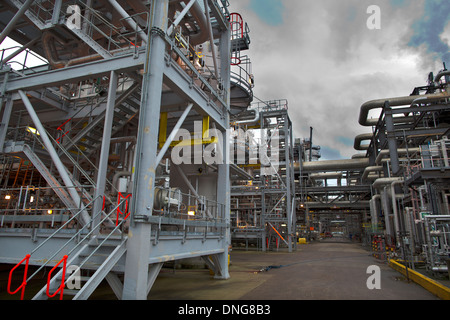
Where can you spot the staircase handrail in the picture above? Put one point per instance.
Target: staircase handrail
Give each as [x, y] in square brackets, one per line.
[24, 282]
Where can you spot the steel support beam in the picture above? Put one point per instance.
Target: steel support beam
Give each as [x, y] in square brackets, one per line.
[138, 244]
[104, 153]
[180, 82]
[128, 20]
[54, 155]
[127, 62]
[5, 121]
[223, 179]
[180, 16]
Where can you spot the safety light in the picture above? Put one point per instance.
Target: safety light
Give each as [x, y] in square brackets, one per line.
[33, 131]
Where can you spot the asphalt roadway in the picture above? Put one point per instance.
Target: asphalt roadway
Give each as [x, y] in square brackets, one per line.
[317, 271]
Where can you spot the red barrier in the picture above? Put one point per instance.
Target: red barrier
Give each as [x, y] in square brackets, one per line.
[61, 286]
[24, 281]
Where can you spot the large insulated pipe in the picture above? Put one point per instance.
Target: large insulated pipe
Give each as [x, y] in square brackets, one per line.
[327, 175]
[361, 137]
[253, 120]
[394, 207]
[368, 170]
[173, 133]
[440, 75]
[381, 182]
[199, 16]
[374, 211]
[394, 102]
[385, 152]
[333, 165]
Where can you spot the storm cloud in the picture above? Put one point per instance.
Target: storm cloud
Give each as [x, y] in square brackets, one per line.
[321, 57]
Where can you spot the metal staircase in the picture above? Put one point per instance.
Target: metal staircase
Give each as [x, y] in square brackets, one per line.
[96, 255]
[89, 138]
[94, 29]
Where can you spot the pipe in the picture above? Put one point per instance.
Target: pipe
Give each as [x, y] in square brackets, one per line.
[361, 137]
[384, 152]
[393, 102]
[368, 170]
[381, 182]
[54, 155]
[326, 175]
[196, 11]
[373, 211]
[333, 165]
[173, 133]
[50, 51]
[255, 119]
[440, 75]
[394, 207]
[316, 204]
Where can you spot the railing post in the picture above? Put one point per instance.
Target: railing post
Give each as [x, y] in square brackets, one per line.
[24, 281]
[126, 213]
[61, 286]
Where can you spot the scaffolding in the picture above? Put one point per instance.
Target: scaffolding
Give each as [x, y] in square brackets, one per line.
[263, 210]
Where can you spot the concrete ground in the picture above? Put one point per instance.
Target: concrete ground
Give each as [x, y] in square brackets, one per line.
[318, 271]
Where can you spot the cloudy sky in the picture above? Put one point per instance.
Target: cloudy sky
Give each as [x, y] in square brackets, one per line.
[324, 59]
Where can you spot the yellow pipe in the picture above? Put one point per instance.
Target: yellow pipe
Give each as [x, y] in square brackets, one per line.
[162, 129]
[206, 139]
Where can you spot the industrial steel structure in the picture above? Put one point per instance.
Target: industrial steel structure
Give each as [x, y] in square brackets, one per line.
[97, 171]
[409, 173]
[263, 201]
[394, 195]
[129, 137]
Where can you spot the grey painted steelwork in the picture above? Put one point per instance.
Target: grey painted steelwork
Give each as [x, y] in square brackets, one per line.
[93, 113]
[264, 206]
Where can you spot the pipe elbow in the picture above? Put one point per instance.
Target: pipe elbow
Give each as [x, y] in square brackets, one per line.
[362, 137]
